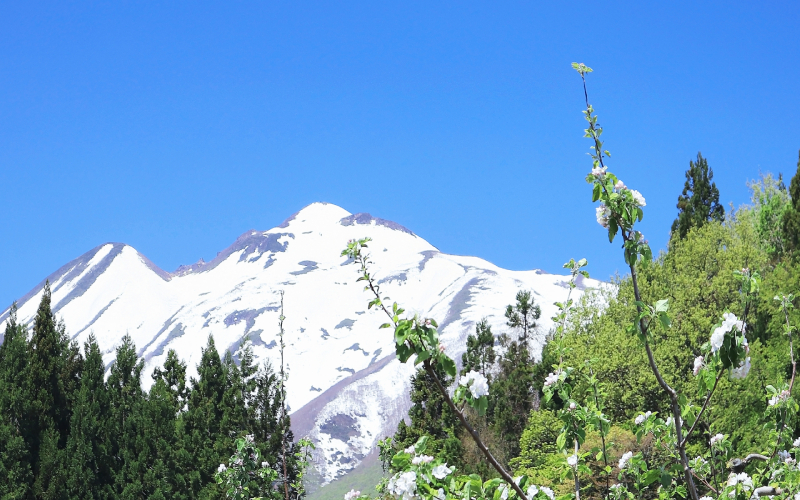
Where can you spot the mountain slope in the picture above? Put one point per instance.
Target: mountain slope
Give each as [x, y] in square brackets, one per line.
[345, 386]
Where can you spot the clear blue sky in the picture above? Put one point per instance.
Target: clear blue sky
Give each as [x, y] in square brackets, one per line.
[176, 126]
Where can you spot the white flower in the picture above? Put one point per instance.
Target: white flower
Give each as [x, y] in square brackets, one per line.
[599, 171]
[796, 443]
[698, 363]
[789, 461]
[742, 371]
[619, 186]
[638, 198]
[602, 213]
[716, 439]
[441, 471]
[264, 465]
[221, 468]
[477, 383]
[504, 494]
[572, 461]
[551, 379]
[352, 494]
[404, 485]
[641, 418]
[422, 459]
[716, 338]
[742, 479]
[706, 498]
[547, 491]
[410, 449]
[623, 462]
[572, 406]
[783, 455]
[779, 398]
[441, 347]
[619, 485]
[249, 438]
[440, 495]
[532, 491]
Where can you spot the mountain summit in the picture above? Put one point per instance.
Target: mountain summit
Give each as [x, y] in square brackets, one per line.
[346, 388]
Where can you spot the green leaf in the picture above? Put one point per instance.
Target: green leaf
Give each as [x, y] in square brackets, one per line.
[448, 365]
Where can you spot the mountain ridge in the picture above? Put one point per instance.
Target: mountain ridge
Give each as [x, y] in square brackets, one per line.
[346, 388]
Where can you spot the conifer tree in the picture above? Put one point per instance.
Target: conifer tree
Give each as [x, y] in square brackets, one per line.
[48, 410]
[699, 202]
[480, 355]
[523, 315]
[791, 218]
[16, 476]
[89, 473]
[430, 416]
[202, 423]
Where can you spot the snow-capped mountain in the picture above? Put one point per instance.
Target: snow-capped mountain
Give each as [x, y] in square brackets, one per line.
[345, 386]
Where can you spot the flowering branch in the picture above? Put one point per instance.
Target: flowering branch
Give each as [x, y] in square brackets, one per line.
[620, 209]
[419, 337]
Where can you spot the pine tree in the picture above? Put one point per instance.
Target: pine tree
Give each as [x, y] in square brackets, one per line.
[523, 315]
[511, 395]
[480, 355]
[89, 474]
[699, 202]
[791, 218]
[16, 476]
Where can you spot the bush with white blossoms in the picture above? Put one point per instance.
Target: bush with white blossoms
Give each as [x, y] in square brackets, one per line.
[246, 475]
[713, 473]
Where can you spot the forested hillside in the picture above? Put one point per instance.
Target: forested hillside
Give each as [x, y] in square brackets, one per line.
[68, 432]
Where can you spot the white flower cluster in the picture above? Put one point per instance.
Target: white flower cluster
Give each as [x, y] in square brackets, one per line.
[572, 461]
[534, 490]
[779, 398]
[551, 379]
[221, 468]
[441, 471]
[404, 485]
[729, 321]
[599, 172]
[742, 371]
[641, 418]
[623, 462]
[716, 439]
[706, 498]
[477, 383]
[352, 494]
[741, 478]
[783, 455]
[603, 213]
[698, 364]
[638, 198]
[422, 459]
[796, 443]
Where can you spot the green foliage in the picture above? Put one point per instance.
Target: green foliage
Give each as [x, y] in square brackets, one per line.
[429, 416]
[480, 354]
[523, 314]
[791, 219]
[699, 202]
[67, 433]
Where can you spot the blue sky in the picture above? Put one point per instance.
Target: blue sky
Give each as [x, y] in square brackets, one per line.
[176, 126]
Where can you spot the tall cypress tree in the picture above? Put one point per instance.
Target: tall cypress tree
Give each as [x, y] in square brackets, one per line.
[48, 409]
[16, 476]
[89, 473]
[202, 423]
[126, 400]
[699, 202]
[791, 218]
[167, 404]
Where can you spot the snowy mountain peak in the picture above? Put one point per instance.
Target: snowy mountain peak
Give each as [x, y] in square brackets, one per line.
[343, 368]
